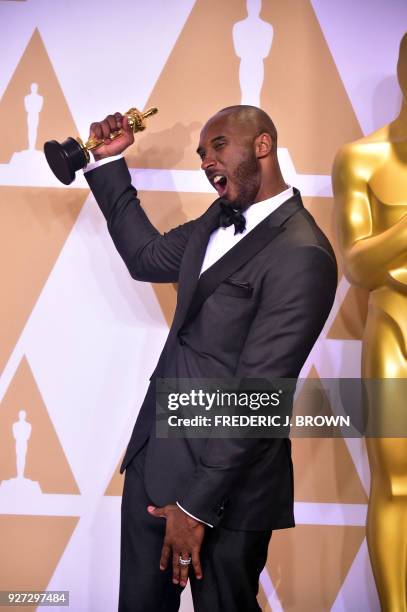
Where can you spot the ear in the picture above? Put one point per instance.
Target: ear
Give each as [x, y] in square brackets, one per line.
[263, 145]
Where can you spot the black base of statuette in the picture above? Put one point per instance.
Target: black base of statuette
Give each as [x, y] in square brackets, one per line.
[65, 158]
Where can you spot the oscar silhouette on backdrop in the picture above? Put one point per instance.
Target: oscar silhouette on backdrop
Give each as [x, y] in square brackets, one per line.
[21, 433]
[370, 188]
[30, 160]
[20, 486]
[33, 103]
[252, 39]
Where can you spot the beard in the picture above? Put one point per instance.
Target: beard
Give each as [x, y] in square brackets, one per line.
[246, 179]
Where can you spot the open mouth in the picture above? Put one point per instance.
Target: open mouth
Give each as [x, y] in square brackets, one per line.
[220, 181]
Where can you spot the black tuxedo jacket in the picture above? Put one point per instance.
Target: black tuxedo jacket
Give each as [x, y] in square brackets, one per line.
[255, 313]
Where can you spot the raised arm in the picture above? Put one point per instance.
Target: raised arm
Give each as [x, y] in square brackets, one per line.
[148, 255]
[368, 255]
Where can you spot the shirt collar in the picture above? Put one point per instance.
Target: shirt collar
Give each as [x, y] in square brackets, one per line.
[260, 210]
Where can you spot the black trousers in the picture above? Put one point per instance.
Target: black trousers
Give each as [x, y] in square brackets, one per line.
[232, 560]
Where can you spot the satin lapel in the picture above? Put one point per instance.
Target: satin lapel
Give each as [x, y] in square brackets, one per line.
[193, 258]
[238, 255]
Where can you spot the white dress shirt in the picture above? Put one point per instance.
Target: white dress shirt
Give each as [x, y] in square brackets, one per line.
[101, 162]
[223, 238]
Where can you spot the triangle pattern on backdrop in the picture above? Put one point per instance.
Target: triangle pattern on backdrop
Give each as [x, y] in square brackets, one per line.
[31, 547]
[323, 468]
[115, 486]
[309, 564]
[45, 460]
[34, 225]
[55, 120]
[34, 222]
[301, 90]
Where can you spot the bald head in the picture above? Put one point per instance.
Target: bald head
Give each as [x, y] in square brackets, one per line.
[251, 119]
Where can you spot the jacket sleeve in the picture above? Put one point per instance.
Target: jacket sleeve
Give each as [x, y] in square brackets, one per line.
[297, 297]
[148, 255]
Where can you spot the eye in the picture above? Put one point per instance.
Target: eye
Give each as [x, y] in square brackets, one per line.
[219, 145]
[202, 156]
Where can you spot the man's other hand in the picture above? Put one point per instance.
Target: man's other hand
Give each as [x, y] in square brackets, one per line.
[183, 537]
[102, 131]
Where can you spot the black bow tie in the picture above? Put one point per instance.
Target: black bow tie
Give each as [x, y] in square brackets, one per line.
[229, 215]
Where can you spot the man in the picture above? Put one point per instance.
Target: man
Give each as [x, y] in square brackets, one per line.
[252, 300]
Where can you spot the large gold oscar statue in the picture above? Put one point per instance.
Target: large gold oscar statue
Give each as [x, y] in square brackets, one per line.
[370, 188]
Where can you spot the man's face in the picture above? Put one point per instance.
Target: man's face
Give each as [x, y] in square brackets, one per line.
[226, 149]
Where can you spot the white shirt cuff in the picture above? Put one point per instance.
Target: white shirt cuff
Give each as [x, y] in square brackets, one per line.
[192, 516]
[101, 162]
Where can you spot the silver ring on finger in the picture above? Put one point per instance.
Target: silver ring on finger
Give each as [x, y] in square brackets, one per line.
[182, 561]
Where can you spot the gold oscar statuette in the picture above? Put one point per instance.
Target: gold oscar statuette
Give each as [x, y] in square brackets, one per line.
[67, 157]
[370, 188]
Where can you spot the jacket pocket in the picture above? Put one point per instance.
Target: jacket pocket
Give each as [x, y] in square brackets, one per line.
[235, 288]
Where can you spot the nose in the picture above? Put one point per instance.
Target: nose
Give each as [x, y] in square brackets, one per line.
[208, 162]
